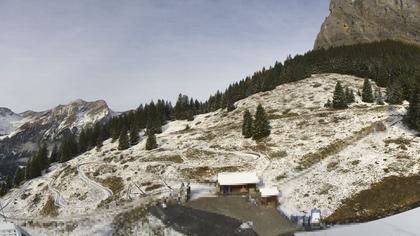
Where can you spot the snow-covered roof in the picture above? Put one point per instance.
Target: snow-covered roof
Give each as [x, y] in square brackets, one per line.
[269, 191]
[6, 226]
[237, 178]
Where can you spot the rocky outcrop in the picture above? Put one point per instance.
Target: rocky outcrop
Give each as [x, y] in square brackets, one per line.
[362, 21]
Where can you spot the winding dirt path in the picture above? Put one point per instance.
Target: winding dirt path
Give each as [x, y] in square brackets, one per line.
[106, 192]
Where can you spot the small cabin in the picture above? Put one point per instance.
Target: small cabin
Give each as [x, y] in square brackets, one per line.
[270, 196]
[237, 182]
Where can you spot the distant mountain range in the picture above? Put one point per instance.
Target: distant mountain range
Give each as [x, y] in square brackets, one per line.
[20, 134]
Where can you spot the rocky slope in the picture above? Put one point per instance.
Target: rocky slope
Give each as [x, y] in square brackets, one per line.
[8, 121]
[362, 21]
[317, 157]
[21, 133]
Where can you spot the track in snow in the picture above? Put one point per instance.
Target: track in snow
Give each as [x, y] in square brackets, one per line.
[106, 192]
[15, 195]
[58, 197]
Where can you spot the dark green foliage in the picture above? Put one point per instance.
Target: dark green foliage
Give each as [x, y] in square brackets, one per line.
[261, 126]
[413, 114]
[394, 93]
[42, 157]
[19, 176]
[99, 143]
[247, 124]
[68, 148]
[151, 142]
[134, 135]
[379, 98]
[123, 142]
[367, 93]
[340, 99]
[55, 154]
[350, 98]
[37, 163]
[230, 106]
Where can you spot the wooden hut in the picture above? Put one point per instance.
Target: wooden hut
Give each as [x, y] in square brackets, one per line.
[269, 196]
[237, 182]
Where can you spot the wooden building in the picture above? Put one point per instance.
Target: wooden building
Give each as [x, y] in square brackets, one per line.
[269, 196]
[237, 182]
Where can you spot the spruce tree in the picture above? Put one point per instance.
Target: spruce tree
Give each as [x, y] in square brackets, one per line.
[350, 98]
[83, 141]
[123, 142]
[230, 106]
[42, 157]
[261, 126]
[99, 143]
[134, 135]
[339, 99]
[367, 93]
[19, 176]
[151, 142]
[247, 124]
[394, 93]
[379, 98]
[413, 114]
[55, 155]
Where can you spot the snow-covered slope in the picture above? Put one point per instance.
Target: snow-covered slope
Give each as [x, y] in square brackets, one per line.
[315, 156]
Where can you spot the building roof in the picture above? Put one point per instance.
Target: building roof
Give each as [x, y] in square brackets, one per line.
[269, 192]
[237, 178]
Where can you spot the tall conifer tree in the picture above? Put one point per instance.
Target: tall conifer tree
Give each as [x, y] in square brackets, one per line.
[151, 142]
[367, 93]
[261, 126]
[123, 142]
[247, 124]
[339, 99]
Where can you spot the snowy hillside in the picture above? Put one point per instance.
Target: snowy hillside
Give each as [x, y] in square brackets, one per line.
[317, 157]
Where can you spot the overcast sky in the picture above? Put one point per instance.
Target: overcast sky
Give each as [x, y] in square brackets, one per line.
[129, 52]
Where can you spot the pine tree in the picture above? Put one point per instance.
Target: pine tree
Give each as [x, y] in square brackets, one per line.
[151, 142]
[247, 124]
[394, 93]
[379, 98]
[230, 106]
[19, 176]
[261, 126]
[28, 170]
[42, 157]
[35, 170]
[99, 143]
[83, 141]
[350, 98]
[123, 142]
[55, 155]
[367, 93]
[339, 99]
[134, 135]
[413, 114]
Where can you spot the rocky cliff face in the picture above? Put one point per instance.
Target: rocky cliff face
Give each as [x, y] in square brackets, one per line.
[362, 21]
[21, 133]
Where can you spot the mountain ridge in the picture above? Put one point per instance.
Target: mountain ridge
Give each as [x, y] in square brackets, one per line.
[26, 130]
